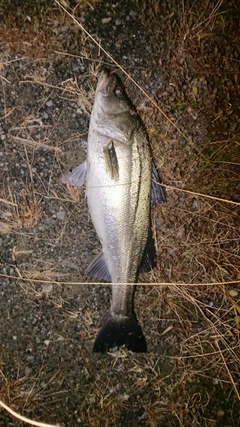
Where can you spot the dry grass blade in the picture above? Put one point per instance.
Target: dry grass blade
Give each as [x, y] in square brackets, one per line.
[228, 371]
[194, 193]
[34, 144]
[7, 202]
[213, 14]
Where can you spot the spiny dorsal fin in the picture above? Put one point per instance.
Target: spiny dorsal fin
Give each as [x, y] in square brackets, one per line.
[157, 194]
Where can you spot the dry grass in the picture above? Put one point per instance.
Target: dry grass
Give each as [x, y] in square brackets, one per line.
[24, 212]
[202, 322]
[74, 192]
[24, 392]
[220, 168]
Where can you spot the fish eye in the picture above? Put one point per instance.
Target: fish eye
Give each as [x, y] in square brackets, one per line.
[118, 91]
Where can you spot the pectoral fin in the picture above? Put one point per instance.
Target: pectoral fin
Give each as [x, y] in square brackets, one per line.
[157, 194]
[111, 161]
[77, 176]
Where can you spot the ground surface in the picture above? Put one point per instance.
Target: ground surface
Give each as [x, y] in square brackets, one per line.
[186, 57]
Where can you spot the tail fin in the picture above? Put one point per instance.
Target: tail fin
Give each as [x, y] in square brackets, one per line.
[117, 331]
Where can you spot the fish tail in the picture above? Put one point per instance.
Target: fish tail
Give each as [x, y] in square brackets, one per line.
[120, 330]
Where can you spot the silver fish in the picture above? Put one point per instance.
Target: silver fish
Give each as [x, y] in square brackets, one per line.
[120, 181]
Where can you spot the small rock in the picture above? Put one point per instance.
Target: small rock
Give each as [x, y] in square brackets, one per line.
[27, 371]
[233, 293]
[76, 67]
[47, 288]
[49, 103]
[195, 204]
[132, 13]
[105, 20]
[61, 215]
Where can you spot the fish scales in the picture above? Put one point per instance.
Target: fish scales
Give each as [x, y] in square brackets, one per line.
[120, 219]
[118, 174]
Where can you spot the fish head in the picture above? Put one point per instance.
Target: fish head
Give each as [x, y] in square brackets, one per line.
[111, 98]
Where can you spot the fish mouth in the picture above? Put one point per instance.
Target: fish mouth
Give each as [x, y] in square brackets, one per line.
[103, 81]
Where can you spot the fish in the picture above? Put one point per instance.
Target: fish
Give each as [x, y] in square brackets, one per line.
[122, 185]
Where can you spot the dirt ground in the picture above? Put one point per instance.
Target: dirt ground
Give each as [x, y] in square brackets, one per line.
[185, 56]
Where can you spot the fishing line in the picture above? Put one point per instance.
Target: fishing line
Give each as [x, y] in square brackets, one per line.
[126, 74]
[151, 100]
[25, 419]
[169, 284]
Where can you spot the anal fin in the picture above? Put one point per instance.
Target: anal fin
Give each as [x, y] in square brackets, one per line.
[98, 268]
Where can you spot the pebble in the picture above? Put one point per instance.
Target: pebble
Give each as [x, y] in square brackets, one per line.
[49, 103]
[233, 293]
[51, 210]
[27, 371]
[195, 204]
[132, 13]
[42, 227]
[76, 66]
[105, 20]
[61, 215]
[47, 288]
